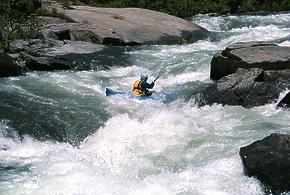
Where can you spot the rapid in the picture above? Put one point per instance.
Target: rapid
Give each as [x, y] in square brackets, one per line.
[60, 134]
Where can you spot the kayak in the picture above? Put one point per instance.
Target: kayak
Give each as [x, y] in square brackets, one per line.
[168, 97]
[111, 92]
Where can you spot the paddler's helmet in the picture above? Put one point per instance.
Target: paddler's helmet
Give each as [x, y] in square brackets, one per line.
[144, 77]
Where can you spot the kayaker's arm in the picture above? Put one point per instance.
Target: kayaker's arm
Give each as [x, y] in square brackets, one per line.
[146, 85]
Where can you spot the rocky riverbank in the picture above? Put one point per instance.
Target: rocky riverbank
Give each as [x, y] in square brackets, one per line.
[91, 38]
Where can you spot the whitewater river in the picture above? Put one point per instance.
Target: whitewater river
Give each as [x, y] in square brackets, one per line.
[60, 135]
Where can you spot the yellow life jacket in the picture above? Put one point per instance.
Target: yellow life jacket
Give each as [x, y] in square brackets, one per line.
[137, 89]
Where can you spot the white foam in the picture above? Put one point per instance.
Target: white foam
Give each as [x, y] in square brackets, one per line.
[147, 147]
[285, 43]
[165, 149]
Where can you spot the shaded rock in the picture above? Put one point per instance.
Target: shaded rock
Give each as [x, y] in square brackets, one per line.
[266, 56]
[8, 67]
[77, 56]
[122, 26]
[43, 63]
[285, 102]
[247, 87]
[31, 46]
[269, 161]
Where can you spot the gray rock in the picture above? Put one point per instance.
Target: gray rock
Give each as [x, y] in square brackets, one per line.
[123, 26]
[269, 161]
[43, 63]
[8, 67]
[266, 56]
[77, 56]
[247, 88]
[18, 46]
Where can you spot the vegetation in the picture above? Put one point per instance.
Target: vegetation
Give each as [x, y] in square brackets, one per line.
[186, 8]
[17, 23]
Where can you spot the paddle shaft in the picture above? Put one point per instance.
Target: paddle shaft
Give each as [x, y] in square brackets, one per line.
[156, 79]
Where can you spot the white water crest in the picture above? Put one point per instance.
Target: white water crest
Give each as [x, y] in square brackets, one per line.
[60, 134]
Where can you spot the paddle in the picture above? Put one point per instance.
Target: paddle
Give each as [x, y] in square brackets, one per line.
[156, 79]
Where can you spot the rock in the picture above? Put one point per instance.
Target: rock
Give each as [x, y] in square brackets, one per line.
[8, 67]
[43, 63]
[122, 26]
[263, 55]
[285, 102]
[18, 46]
[77, 56]
[247, 88]
[269, 161]
[53, 20]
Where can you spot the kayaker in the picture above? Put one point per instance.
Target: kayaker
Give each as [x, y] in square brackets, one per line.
[141, 87]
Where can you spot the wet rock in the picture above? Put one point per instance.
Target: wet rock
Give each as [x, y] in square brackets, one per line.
[43, 63]
[285, 102]
[8, 67]
[269, 161]
[263, 55]
[122, 26]
[247, 88]
[77, 56]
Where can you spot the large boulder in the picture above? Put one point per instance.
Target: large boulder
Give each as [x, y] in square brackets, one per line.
[8, 67]
[269, 161]
[247, 88]
[247, 55]
[121, 26]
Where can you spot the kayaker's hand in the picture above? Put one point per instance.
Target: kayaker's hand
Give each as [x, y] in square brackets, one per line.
[152, 84]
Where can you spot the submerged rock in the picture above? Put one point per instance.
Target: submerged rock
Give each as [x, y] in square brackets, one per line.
[263, 55]
[269, 161]
[8, 67]
[121, 26]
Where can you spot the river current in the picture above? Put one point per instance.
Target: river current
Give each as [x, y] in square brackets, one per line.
[60, 134]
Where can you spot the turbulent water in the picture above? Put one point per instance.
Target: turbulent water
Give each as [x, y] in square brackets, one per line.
[60, 134]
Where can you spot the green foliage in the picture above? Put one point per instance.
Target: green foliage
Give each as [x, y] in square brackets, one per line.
[247, 6]
[16, 24]
[186, 8]
[17, 28]
[285, 4]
